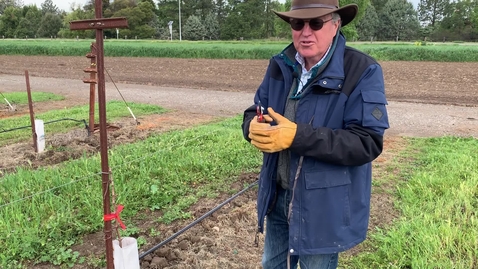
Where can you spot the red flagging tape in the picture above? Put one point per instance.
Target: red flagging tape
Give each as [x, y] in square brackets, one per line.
[116, 216]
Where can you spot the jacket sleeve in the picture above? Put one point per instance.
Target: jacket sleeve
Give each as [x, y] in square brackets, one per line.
[365, 121]
[249, 114]
[262, 96]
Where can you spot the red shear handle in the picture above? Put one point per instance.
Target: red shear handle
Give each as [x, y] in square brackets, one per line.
[116, 216]
[260, 116]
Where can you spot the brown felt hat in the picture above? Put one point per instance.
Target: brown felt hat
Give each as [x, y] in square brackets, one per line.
[310, 9]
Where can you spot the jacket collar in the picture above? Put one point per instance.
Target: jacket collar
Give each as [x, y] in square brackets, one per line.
[335, 67]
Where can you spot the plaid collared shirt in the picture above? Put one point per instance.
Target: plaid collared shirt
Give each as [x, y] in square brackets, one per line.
[307, 74]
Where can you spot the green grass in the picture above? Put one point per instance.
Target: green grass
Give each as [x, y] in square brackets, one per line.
[440, 53]
[167, 172]
[115, 110]
[22, 97]
[437, 199]
[391, 51]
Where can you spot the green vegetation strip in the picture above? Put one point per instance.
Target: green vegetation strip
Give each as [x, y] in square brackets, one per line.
[20, 98]
[167, 172]
[399, 51]
[115, 110]
[437, 197]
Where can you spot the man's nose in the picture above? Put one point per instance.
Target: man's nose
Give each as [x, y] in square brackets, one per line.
[307, 30]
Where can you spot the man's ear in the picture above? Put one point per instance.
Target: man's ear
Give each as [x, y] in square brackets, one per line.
[337, 25]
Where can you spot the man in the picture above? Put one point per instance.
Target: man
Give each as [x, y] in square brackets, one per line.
[325, 117]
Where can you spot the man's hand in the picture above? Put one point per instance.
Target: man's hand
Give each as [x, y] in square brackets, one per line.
[269, 138]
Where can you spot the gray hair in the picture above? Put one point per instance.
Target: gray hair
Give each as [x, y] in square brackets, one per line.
[335, 17]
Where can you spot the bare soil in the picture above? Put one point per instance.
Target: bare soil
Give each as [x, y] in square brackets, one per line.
[224, 240]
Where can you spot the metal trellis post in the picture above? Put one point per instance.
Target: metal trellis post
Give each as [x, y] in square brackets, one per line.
[99, 24]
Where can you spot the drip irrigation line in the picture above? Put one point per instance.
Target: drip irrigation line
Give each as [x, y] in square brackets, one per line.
[197, 221]
[53, 121]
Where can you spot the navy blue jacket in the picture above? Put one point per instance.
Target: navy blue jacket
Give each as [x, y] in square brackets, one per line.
[340, 121]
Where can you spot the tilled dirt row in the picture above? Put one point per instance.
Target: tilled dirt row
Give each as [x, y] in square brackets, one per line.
[424, 82]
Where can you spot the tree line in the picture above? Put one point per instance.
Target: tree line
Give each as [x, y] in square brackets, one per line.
[432, 20]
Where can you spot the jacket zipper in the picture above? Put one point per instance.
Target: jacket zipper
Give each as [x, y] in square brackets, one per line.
[296, 178]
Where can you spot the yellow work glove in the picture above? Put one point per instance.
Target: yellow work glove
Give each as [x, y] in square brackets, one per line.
[269, 138]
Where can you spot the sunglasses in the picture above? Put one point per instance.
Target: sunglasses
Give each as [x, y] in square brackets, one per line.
[315, 24]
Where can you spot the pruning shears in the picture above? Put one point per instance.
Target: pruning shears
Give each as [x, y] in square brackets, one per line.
[260, 112]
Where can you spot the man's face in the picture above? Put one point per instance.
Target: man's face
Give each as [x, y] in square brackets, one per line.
[312, 44]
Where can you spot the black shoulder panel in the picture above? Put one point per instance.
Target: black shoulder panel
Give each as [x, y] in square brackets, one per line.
[355, 63]
[275, 71]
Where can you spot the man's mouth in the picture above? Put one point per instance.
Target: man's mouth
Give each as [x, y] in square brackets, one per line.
[306, 43]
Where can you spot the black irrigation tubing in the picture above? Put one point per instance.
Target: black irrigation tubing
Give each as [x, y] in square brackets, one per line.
[29, 126]
[196, 221]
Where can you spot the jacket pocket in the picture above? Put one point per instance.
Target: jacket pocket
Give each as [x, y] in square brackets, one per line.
[330, 188]
[374, 111]
[327, 178]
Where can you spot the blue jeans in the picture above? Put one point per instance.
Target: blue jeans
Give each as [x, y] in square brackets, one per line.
[276, 245]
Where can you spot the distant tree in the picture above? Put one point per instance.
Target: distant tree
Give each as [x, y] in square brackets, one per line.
[431, 11]
[144, 32]
[350, 30]
[75, 15]
[118, 5]
[90, 5]
[369, 24]
[168, 10]
[460, 21]
[200, 8]
[30, 22]
[9, 3]
[23, 29]
[398, 20]
[49, 7]
[221, 9]
[50, 25]
[139, 19]
[153, 4]
[282, 29]
[211, 26]
[194, 29]
[245, 20]
[155, 24]
[269, 17]
[378, 5]
[10, 20]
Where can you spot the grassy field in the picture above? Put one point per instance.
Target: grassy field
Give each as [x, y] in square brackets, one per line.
[21, 98]
[436, 194]
[399, 51]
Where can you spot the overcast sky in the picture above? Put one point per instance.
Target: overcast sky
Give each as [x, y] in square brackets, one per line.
[61, 4]
[66, 4]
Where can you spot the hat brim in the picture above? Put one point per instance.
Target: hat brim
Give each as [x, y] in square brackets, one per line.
[347, 13]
